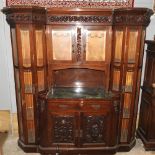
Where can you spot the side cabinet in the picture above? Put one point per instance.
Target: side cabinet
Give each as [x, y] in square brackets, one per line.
[78, 126]
[146, 127]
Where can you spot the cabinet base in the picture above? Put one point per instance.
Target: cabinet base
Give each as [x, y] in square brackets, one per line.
[149, 146]
[126, 147]
[84, 151]
[28, 148]
[77, 151]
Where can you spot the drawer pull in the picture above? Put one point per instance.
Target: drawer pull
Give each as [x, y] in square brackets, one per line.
[96, 107]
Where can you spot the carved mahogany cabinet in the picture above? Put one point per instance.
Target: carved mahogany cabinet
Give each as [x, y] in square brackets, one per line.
[146, 128]
[77, 75]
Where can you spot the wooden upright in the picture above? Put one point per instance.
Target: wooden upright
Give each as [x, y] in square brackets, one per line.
[70, 51]
[146, 127]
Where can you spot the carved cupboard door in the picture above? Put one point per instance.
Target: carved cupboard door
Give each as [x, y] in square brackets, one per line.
[62, 128]
[98, 129]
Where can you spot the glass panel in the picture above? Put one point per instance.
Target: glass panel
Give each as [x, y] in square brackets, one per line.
[118, 45]
[29, 107]
[95, 45]
[41, 80]
[28, 82]
[116, 80]
[39, 45]
[62, 44]
[129, 82]
[14, 46]
[31, 131]
[25, 45]
[132, 46]
[124, 130]
[29, 100]
[127, 105]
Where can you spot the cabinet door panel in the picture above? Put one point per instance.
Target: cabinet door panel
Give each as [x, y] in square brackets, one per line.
[94, 129]
[118, 50]
[98, 128]
[132, 45]
[95, 45]
[62, 128]
[62, 44]
[39, 45]
[25, 46]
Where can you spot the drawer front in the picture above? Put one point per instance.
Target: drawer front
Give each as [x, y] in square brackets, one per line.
[95, 106]
[80, 105]
[62, 105]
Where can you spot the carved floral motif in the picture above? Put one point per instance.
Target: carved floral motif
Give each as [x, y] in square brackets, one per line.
[79, 48]
[94, 129]
[63, 129]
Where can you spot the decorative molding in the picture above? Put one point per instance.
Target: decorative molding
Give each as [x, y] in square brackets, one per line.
[25, 18]
[142, 19]
[73, 3]
[83, 19]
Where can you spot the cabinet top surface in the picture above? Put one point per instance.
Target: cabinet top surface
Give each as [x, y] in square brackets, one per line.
[84, 93]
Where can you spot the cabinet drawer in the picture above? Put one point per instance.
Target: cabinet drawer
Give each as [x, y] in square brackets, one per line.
[80, 105]
[91, 106]
[58, 106]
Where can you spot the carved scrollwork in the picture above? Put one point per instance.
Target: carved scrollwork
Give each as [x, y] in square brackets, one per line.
[63, 129]
[94, 129]
[25, 18]
[132, 19]
[82, 19]
[79, 37]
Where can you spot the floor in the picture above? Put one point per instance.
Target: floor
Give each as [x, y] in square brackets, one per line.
[10, 147]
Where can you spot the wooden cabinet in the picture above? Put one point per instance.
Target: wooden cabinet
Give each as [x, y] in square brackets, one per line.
[77, 48]
[78, 123]
[146, 125]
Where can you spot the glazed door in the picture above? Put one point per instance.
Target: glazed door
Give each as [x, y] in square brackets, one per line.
[126, 74]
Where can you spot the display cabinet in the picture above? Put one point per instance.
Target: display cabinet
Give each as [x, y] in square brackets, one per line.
[146, 125]
[80, 49]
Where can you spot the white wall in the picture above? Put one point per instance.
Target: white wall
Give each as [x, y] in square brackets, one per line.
[7, 88]
[7, 91]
